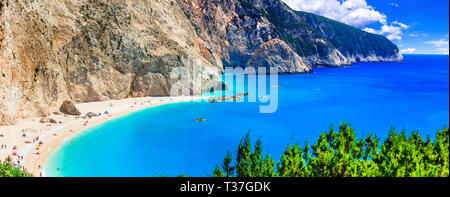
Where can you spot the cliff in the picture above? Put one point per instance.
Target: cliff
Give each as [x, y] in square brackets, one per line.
[237, 28]
[88, 50]
[356, 45]
[97, 50]
[276, 53]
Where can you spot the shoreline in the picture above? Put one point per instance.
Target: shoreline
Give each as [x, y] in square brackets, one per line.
[55, 135]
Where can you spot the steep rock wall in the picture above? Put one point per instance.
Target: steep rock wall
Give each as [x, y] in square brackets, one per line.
[93, 50]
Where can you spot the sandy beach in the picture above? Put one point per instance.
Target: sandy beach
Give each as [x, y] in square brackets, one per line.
[52, 135]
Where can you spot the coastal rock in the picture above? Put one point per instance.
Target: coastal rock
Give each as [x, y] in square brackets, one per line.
[47, 120]
[376, 58]
[90, 115]
[44, 120]
[243, 94]
[277, 54]
[213, 101]
[29, 130]
[6, 119]
[69, 108]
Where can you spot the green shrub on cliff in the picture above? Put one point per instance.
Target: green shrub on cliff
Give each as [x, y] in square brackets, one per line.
[341, 154]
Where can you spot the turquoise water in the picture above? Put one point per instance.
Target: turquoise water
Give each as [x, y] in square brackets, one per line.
[166, 140]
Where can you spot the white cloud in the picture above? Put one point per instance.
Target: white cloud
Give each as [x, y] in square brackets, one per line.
[401, 25]
[417, 34]
[441, 45]
[438, 43]
[394, 31]
[395, 5]
[352, 12]
[408, 50]
[443, 51]
[371, 30]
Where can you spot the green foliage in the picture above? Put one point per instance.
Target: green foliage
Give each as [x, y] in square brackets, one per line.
[7, 169]
[341, 154]
[248, 163]
[229, 171]
[293, 163]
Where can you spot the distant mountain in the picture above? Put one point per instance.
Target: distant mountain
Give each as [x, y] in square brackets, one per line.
[353, 43]
[86, 51]
[235, 29]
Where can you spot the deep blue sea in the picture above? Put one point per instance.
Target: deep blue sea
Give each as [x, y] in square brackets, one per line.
[167, 141]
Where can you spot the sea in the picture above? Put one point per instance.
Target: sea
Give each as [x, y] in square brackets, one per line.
[168, 141]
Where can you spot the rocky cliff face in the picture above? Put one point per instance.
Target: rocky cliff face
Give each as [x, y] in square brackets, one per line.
[277, 54]
[95, 50]
[237, 28]
[86, 50]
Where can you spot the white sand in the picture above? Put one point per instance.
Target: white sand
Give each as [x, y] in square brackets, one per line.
[53, 135]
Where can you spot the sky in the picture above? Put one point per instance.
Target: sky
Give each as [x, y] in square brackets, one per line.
[415, 26]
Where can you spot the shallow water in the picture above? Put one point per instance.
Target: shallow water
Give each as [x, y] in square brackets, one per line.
[166, 140]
